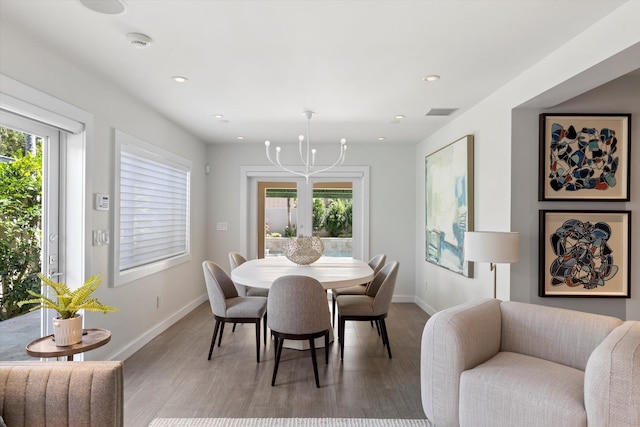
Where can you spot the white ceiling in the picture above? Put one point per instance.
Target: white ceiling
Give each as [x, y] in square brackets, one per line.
[356, 63]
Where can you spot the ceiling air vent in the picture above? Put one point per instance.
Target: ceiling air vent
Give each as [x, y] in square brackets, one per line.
[440, 111]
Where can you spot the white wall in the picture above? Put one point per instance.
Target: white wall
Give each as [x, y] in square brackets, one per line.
[392, 201]
[601, 53]
[180, 288]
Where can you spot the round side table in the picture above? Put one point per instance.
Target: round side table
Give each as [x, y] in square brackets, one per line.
[46, 346]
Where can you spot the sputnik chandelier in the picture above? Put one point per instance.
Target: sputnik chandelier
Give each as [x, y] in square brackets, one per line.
[309, 164]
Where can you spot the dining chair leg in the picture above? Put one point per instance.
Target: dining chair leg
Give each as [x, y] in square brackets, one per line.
[278, 354]
[312, 345]
[341, 335]
[221, 332]
[383, 326]
[213, 338]
[333, 309]
[258, 340]
[264, 325]
[326, 348]
[380, 332]
[275, 344]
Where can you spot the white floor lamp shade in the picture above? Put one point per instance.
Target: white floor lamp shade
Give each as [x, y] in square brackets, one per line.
[492, 247]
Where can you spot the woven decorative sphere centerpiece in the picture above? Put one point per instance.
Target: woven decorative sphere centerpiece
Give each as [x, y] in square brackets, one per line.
[303, 250]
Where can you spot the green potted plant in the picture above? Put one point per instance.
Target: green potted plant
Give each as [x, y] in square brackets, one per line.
[67, 326]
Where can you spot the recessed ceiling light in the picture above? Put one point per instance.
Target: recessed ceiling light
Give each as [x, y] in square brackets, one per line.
[431, 78]
[180, 79]
[381, 138]
[218, 116]
[398, 117]
[108, 7]
[240, 137]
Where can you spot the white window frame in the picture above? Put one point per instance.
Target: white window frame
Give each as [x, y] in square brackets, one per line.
[76, 141]
[357, 175]
[131, 144]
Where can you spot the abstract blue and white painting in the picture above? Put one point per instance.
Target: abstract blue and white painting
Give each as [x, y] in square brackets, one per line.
[449, 204]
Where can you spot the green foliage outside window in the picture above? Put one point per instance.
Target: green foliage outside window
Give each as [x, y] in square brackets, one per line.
[12, 142]
[318, 214]
[349, 214]
[336, 221]
[290, 231]
[21, 211]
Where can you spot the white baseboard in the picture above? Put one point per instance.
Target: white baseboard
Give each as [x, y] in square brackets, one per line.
[423, 305]
[403, 299]
[135, 345]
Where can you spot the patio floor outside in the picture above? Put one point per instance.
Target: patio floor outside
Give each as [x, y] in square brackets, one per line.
[16, 333]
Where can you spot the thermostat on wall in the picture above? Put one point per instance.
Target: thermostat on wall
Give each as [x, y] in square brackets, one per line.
[102, 202]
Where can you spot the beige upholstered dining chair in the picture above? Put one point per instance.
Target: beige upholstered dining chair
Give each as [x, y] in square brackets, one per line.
[236, 259]
[372, 306]
[227, 306]
[376, 264]
[298, 310]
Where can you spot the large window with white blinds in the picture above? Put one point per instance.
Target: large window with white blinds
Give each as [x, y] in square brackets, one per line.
[152, 214]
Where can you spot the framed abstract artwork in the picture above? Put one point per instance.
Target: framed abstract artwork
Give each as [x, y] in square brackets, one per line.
[449, 204]
[584, 157]
[585, 253]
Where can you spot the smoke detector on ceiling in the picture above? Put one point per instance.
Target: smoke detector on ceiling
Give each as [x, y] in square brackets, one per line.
[108, 7]
[138, 40]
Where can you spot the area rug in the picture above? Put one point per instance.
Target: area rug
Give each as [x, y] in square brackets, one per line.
[286, 422]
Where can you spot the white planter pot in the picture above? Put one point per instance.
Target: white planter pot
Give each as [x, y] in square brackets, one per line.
[67, 331]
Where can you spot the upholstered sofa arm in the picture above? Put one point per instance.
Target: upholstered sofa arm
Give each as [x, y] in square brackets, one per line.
[453, 341]
[61, 393]
[612, 379]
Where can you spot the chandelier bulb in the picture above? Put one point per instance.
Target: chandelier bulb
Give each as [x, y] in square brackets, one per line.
[343, 141]
[267, 143]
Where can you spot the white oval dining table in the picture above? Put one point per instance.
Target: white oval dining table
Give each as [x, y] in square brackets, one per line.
[332, 272]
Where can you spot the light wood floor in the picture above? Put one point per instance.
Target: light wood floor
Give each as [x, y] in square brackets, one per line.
[171, 376]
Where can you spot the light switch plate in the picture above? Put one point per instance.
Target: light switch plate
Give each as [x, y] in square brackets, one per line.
[100, 237]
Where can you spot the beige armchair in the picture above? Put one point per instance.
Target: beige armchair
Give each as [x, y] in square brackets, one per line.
[83, 394]
[494, 363]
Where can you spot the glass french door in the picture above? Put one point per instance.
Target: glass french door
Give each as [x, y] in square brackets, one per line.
[43, 142]
[277, 216]
[320, 208]
[353, 180]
